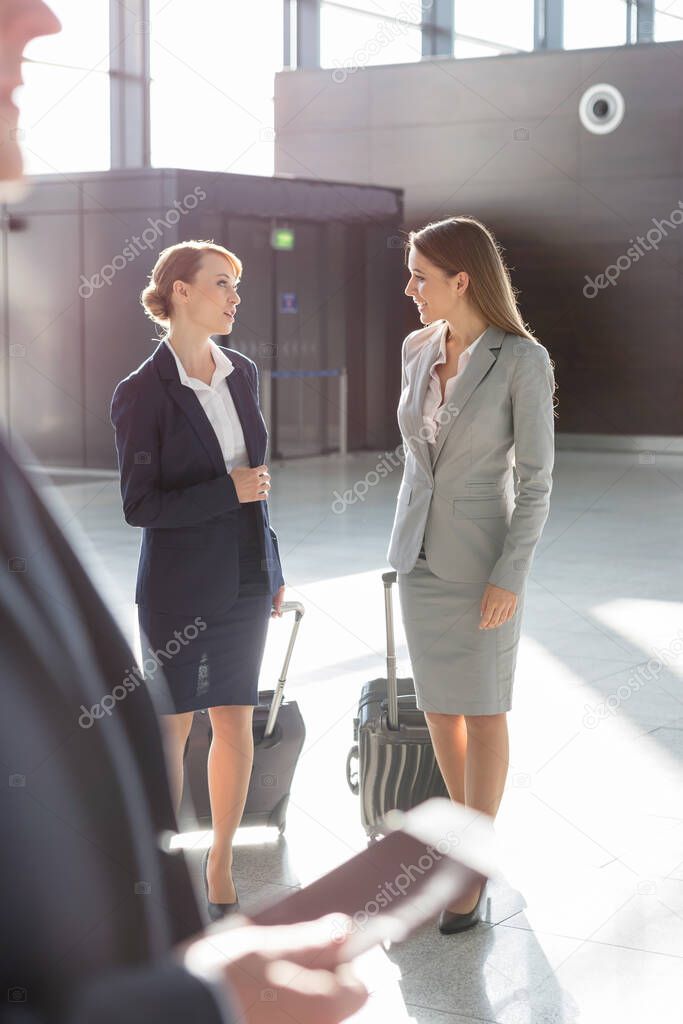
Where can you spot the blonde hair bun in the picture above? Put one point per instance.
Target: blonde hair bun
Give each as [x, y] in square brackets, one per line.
[179, 262]
[155, 304]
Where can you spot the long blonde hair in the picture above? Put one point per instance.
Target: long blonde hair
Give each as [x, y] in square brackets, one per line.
[463, 243]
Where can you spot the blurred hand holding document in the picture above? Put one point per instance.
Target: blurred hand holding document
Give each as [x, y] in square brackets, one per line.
[426, 859]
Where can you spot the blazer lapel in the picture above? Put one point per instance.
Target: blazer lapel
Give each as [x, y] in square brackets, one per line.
[481, 361]
[245, 404]
[192, 407]
[427, 356]
[190, 404]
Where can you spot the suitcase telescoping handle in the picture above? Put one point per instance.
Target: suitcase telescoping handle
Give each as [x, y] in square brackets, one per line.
[298, 609]
[388, 579]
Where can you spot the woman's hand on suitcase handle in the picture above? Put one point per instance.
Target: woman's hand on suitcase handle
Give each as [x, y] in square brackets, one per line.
[497, 606]
[277, 603]
[251, 484]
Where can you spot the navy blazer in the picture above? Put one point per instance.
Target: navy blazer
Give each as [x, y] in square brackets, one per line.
[174, 485]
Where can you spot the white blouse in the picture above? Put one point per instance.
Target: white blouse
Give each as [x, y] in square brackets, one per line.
[432, 402]
[217, 403]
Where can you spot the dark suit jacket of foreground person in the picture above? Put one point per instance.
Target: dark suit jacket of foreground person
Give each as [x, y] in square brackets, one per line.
[93, 904]
[175, 485]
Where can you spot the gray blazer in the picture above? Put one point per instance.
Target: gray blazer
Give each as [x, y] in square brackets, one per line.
[480, 496]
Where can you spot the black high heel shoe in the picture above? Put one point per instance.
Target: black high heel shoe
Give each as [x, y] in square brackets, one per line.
[216, 910]
[450, 924]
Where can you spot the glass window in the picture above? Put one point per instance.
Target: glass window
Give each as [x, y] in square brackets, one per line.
[490, 27]
[587, 23]
[84, 39]
[668, 21]
[406, 10]
[353, 39]
[64, 119]
[212, 68]
[64, 102]
[466, 48]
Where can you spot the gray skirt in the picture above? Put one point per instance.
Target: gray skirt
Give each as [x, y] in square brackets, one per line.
[458, 668]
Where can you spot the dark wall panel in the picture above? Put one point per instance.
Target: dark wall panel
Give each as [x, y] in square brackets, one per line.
[385, 275]
[500, 139]
[253, 333]
[45, 363]
[299, 342]
[340, 309]
[118, 335]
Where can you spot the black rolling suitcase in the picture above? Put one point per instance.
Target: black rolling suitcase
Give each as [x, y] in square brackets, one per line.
[279, 734]
[391, 765]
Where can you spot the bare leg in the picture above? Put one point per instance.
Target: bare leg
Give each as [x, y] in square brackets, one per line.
[176, 729]
[487, 762]
[486, 769]
[473, 755]
[231, 756]
[449, 739]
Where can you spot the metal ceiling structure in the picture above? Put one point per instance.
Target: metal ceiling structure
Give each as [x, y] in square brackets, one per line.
[130, 49]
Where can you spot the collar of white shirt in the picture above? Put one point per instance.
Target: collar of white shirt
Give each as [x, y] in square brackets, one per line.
[224, 367]
[469, 350]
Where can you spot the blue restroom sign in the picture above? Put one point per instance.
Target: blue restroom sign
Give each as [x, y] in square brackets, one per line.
[289, 303]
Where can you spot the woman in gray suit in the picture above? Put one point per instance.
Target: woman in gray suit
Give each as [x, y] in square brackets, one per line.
[477, 420]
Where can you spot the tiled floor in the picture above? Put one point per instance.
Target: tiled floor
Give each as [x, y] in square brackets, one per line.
[587, 923]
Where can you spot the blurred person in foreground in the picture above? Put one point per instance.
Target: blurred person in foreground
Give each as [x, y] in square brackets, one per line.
[102, 922]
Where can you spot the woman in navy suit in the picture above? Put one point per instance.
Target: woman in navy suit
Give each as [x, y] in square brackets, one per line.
[191, 445]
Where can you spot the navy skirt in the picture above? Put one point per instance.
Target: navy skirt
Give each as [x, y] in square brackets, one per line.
[214, 659]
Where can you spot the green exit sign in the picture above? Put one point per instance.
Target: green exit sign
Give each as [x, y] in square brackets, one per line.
[282, 238]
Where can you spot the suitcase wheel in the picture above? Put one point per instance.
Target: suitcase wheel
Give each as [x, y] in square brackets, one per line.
[351, 771]
[278, 816]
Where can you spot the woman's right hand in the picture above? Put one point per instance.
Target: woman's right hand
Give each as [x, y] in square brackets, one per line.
[282, 973]
[251, 484]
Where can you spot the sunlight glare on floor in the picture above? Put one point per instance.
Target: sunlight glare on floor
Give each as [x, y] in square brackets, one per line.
[656, 626]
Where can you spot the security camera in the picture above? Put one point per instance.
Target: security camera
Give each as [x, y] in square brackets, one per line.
[601, 109]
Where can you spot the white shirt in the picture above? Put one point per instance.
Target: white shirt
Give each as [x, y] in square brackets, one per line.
[217, 403]
[432, 401]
